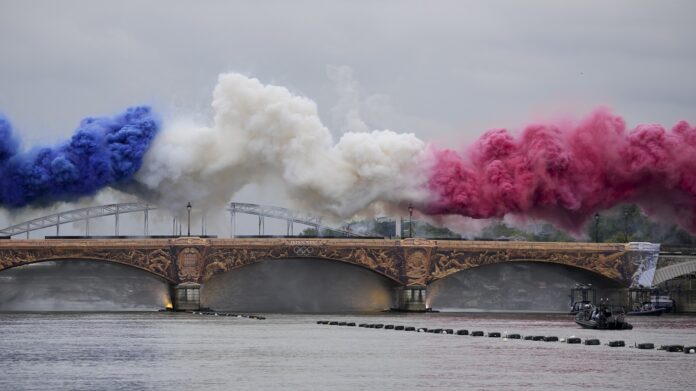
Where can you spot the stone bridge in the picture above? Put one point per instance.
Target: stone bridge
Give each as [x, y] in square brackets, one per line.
[188, 262]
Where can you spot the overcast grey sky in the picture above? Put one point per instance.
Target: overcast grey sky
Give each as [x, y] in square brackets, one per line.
[446, 70]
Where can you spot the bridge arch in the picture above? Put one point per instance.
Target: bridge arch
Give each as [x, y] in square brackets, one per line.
[81, 285]
[156, 262]
[376, 261]
[298, 285]
[94, 259]
[609, 262]
[599, 273]
[519, 285]
[89, 213]
[673, 271]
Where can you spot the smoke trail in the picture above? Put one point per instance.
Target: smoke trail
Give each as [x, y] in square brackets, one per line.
[566, 172]
[102, 152]
[263, 131]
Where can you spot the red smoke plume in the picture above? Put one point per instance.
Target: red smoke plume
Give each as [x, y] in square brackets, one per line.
[566, 172]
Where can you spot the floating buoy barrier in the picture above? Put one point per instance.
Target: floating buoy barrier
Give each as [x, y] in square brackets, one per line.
[691, 349]
[672, 348]
[213, 313]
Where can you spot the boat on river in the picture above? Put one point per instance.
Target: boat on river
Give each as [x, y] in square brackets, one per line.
[647, 309]
[603, 317]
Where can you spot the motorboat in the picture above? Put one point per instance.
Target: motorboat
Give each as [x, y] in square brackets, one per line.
[647, 309]
[603, 317]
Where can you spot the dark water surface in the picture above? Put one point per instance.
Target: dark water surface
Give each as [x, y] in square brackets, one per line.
[165, 351]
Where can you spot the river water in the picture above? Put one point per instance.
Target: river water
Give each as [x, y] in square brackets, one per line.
[178, 351]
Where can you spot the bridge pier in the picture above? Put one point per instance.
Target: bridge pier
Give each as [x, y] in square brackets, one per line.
[187, 296]
[411, 298]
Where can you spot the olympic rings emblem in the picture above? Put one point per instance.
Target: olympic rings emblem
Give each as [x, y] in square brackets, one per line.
[303, 250]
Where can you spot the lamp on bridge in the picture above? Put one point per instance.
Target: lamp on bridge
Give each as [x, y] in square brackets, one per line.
[596, 227]
[188, 208]
[410, 220]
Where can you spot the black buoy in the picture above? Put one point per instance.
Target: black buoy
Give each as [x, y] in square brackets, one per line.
[389, 327]
[592, 341]
[573, 340]
[514, 336]
[528, 337]
[363, 325]
[646, 345]
[551, 339]
[494, 334]
[448, 331]
[351, 324]
[379, 326]
[538, 338]
[616, 344]
[690, 349]
[477, 333]
[342, 323]
[672, 348]
[423, 330]
[332, 323]
[398, 327]
[409, 328]
[463, 332]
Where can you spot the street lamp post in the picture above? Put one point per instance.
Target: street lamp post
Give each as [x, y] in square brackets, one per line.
[596, 221]
[410, 220]
[188, 209]
[625, 225]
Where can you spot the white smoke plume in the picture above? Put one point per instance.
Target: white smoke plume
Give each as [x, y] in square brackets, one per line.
[264, 131]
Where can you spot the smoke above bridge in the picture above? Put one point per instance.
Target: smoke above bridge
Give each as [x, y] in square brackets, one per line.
[566, 172]
[562, 172]
[102, 152]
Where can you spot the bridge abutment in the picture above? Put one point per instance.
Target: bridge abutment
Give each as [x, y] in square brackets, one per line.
[187, 296]
[411, 298]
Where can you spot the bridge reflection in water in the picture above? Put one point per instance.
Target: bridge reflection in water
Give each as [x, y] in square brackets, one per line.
[411, 266]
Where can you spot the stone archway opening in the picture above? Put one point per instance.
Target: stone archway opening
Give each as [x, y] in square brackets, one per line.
[81, 285]
[298, 285]
[526, 286]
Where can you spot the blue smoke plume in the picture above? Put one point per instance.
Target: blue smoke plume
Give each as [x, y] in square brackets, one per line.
[102, 152]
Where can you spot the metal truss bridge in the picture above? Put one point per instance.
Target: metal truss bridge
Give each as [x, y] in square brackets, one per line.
[262, 211]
